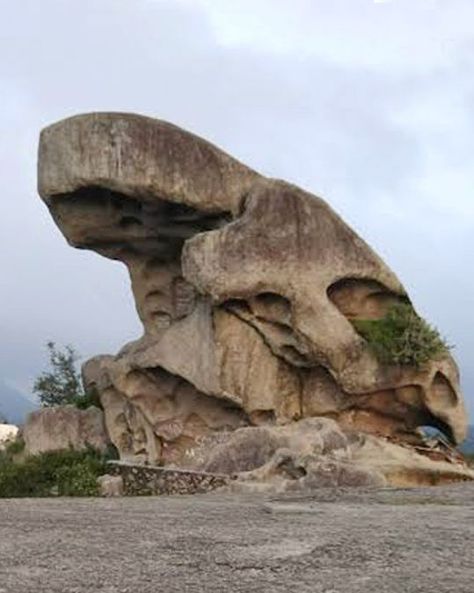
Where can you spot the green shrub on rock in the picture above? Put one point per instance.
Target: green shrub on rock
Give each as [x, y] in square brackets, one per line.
[401, 337]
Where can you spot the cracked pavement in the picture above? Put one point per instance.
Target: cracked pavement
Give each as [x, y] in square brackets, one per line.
[409, 541]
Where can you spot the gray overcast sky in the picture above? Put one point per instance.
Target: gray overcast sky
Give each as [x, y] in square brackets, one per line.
[366, 103]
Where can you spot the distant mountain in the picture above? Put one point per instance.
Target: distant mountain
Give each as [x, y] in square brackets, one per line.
[468, 445]
[14, 406]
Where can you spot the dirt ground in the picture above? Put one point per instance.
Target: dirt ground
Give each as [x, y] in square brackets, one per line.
[329, 542]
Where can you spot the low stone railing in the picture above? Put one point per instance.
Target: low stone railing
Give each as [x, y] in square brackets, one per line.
[140, 479]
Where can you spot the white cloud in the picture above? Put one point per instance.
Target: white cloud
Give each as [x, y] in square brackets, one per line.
[401, 34]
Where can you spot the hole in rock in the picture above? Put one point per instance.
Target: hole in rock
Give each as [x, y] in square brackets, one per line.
[441, 392]
[99, 218]
[176, 387]
[270, 314]
[431, 431]
[238, 306]
[361, 298]
[271, 307]
[270, 299]
[433, 424]
[292, 469]
[129, 221]
[262, 417]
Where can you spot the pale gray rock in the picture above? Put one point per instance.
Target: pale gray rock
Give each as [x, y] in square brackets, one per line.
[110, 486]
[64, 427]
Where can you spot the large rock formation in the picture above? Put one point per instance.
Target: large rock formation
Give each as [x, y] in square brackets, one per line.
[247, 288]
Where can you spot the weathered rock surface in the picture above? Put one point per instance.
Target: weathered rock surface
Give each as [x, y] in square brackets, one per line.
[316, 453]
[246, 288]
[64, 427]
[311, 453]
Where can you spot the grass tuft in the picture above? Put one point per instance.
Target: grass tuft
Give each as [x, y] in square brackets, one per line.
[401, 337]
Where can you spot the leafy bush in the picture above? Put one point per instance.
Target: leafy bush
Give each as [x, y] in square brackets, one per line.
[62, 384]
[80, 477]
[87, 399]
[15, 447]
[401, 337]
[55, 473]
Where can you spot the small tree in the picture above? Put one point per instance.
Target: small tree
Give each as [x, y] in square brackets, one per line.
[62, 384]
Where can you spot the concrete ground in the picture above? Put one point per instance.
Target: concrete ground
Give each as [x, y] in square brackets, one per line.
[333, 542]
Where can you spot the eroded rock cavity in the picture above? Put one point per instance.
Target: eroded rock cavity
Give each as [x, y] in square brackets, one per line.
[246, 288]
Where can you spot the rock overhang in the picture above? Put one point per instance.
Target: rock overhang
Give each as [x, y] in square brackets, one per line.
[140, 157]
[223, 260]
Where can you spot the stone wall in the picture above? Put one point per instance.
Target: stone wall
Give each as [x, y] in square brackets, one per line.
[141, 480]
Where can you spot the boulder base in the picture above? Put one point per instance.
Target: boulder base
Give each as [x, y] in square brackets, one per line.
[110, 486]
[64, 427]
